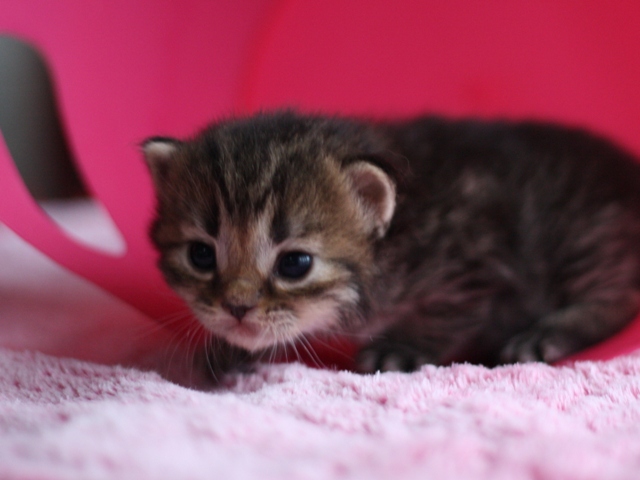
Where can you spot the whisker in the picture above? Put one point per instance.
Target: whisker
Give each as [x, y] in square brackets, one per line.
[154, 327]
[272, 355]
[192, 347]
[290, 341]
[313, 356]
[330, 346]
[178, 340]
[209, 353]
[285, 351]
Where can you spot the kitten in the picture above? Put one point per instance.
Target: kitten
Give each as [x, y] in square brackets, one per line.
[439, 240]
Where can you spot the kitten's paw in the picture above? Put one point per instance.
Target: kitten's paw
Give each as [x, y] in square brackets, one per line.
[390, 357]
[537, 345]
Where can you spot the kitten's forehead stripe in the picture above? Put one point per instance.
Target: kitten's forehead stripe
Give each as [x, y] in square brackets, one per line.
[281, 178]
[262, 201]
[247, 165]
[212, 225]
[280, 228]
[213, 156]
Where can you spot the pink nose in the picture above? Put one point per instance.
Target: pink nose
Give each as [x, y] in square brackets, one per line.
[238, 311]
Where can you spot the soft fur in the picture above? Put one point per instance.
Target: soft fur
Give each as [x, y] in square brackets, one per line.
[439, 240]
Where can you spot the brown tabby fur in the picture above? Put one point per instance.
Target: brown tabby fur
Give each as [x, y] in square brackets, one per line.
[440, 240]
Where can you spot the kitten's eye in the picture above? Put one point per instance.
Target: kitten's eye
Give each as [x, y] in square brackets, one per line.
[202, 256]
[294, 265]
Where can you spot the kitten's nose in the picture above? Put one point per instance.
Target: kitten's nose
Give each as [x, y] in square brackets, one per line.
[241, 295]
[238, 311]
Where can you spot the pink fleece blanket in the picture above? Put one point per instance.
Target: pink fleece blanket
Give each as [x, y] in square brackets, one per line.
[91, 419]
[64, 419]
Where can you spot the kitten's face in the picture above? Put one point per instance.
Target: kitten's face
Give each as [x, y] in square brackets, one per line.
[264, 229]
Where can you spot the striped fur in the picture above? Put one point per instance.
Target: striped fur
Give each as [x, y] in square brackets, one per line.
[442, 240]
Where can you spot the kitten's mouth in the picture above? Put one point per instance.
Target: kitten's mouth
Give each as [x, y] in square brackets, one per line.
[244, 329]
[247, 334]
[254, 332]
[249, 337]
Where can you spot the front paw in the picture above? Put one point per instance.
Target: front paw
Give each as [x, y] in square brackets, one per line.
[538, 345]
[384, 356]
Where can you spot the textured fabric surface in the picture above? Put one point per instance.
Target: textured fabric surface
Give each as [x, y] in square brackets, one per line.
[67, 419]
[70, 419]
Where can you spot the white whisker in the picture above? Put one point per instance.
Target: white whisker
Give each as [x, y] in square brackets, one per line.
[313, 356]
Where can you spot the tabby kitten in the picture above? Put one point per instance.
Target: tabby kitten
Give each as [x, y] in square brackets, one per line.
[437, 240]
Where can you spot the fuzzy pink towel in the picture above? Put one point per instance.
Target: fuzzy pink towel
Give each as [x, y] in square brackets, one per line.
[66, 419]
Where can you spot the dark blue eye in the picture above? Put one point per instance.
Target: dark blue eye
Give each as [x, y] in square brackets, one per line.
[294, 265]
[202, 256]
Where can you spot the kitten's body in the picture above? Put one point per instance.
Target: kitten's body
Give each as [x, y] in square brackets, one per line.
[442, 240]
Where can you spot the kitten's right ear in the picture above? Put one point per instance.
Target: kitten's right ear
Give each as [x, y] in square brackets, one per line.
[159, 153]
[376, 194]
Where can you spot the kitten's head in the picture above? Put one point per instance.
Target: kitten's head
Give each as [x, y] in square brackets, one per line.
[266, 226]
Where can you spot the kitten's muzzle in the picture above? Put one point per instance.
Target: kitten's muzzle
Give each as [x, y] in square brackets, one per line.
[240, 296]
[237, 311]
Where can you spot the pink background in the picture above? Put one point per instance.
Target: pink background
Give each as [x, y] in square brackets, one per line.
[128, 70]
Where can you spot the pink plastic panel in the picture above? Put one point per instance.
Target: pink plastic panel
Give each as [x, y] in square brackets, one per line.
[125, 71]
[577, 62]
[574, 62]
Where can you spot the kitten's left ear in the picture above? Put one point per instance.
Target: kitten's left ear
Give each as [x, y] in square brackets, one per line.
[159, 153]
[376, 194]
